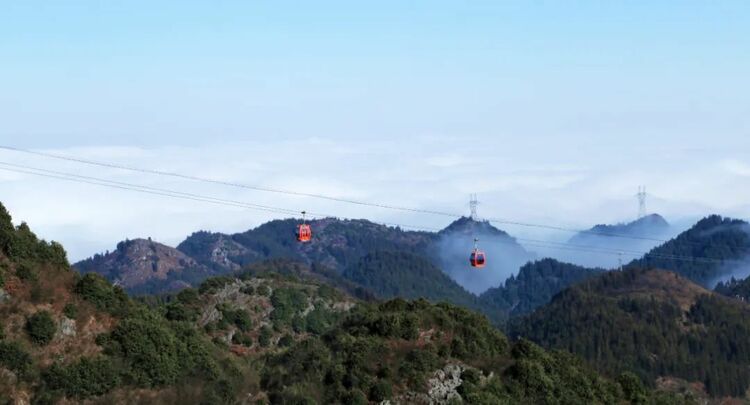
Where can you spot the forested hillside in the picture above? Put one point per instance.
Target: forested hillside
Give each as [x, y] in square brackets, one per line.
[263, 337]
[535, 285]
[707, 252]
[406, 275]
[738, 289]
[338, 244]
[418, 264]
[653, 322]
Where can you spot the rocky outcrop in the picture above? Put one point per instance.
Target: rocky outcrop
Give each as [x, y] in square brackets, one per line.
[67, 327]
[136, 262]
[443, 385]
[441, 388]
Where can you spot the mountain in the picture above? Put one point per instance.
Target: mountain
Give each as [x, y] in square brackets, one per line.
[336, 243]
[640, 235]
[262, 337]
[644, 226]
[535, 285]
[714, 249]
[141, 266]
[148, 267]
[656, 323]
[454, 243]
[66, 338]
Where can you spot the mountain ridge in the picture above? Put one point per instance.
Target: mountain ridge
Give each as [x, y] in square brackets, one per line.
[654, 322]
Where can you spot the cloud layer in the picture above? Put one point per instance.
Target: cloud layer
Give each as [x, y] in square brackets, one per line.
[557, 187]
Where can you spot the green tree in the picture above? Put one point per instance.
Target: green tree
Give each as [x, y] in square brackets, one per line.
[41, 328]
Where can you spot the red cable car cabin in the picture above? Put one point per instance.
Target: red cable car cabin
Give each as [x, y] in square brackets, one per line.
[477, 258]
[304, 233]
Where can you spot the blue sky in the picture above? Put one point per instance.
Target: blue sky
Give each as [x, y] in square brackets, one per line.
[552, 111]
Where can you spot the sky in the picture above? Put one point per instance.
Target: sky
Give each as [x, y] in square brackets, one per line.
[552, 112]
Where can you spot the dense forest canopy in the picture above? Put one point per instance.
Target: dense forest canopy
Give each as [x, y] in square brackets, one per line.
[713, 248]
[652, 322]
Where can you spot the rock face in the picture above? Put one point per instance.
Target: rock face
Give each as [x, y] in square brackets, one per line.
[444, 384]
[136, 262]
[67, 327]
[441, 388]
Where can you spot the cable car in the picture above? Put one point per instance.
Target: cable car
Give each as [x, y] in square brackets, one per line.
[477, 259]
[303, 232]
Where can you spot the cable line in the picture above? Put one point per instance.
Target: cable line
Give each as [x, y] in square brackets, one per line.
[500, 221]
[11, 167]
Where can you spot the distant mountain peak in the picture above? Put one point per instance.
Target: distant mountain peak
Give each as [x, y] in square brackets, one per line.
[470, 225]
[650, 223]
[720, 243]
[136, 261]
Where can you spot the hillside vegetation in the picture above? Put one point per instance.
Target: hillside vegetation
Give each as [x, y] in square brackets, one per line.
[652, 322]
[534, 286]
[717, 245]
[263, 337]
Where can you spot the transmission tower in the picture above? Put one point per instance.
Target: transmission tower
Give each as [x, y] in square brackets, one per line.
[473, 203]
[641, 201]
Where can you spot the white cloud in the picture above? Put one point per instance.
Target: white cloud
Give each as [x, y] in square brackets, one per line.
[529, 185]
[736, 167]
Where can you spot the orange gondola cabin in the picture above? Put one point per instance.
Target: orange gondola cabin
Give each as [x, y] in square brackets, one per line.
[477, 258]
[304, 231]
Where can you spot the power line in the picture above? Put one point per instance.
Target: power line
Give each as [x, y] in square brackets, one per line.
[233, 203]
[502, 221]
[142, 189]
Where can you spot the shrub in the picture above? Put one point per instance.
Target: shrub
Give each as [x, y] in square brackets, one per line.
[319, 320]
[14, 358]
[242, 339]
[213, 284]
[157, 352]
[632, 387]
[6, 229]
[85, 378]
[41, 328]
[25, 272]
[263, 290]
[70, 311]
[381, 391]
[286, 303]
[286, 341]
[36, 295]
[188, 296]
[249, 290]
[179, 312]
[98, 291]
[238, 317]
[150, 349]
[357, 397]
[264, 339]
[242, 320]
[219, 392]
